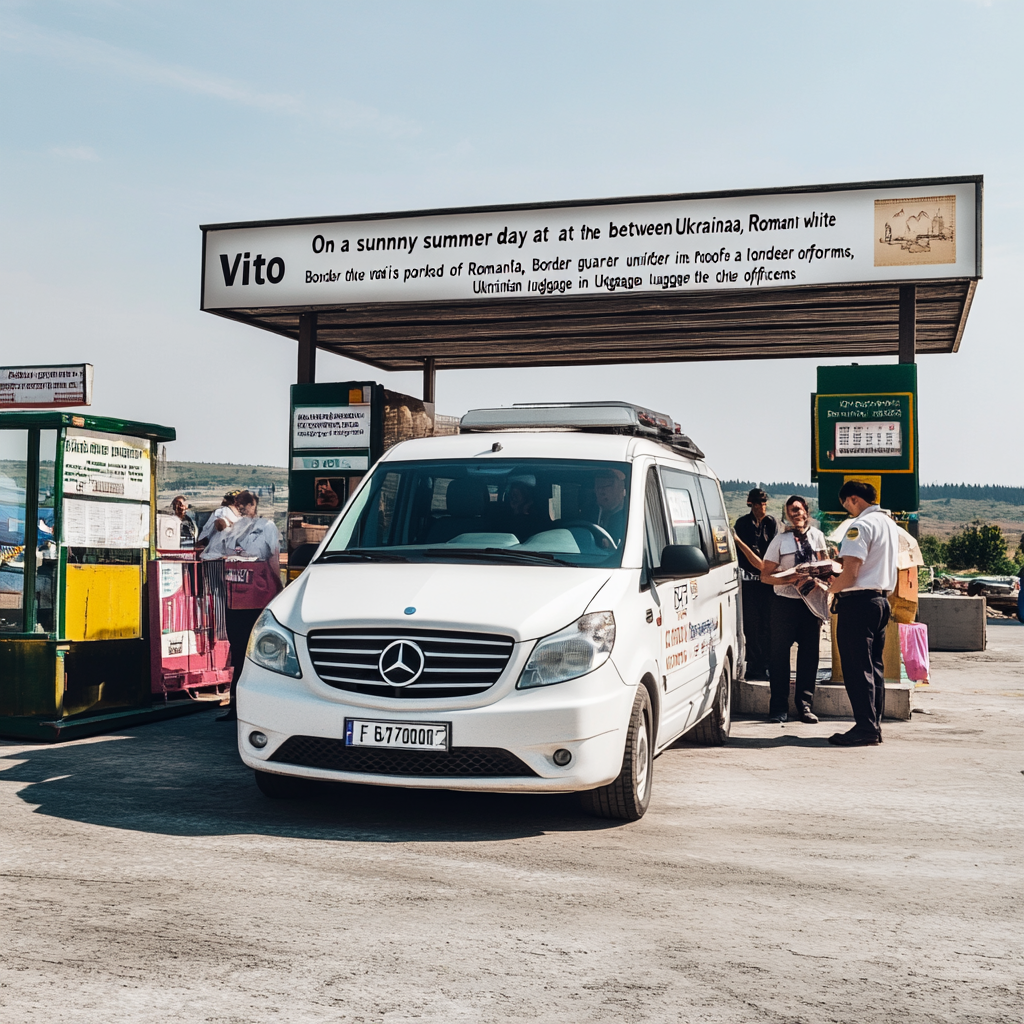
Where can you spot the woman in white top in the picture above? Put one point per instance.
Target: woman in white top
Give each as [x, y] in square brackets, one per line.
[793, 621]
[223, 517]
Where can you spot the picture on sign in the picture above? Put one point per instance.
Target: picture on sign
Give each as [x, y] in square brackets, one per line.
[104, 465]
[915, 232]
[329, 493]
[868, 438]
[331, 426]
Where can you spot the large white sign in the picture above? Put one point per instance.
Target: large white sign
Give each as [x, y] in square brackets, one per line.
[45, 387]
[105, 524]
[106, 465]
[918, 232]
[331, 426]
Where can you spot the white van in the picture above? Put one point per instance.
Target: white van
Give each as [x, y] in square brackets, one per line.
[539, 604]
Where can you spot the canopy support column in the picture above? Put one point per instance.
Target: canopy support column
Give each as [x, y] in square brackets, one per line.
[908, 323]
[307, 349]
[429, 379]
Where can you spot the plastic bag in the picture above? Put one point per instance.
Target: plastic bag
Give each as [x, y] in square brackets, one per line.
[914, 648]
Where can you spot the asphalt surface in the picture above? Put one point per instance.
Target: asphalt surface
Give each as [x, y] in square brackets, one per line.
[144, 878]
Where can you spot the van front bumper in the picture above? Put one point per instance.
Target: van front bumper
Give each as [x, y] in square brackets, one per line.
[587, 716]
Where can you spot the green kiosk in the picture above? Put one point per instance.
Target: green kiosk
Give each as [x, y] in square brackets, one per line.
[77, 529]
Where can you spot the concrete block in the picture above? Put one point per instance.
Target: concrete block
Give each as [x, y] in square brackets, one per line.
[830, 700]
[954, 623]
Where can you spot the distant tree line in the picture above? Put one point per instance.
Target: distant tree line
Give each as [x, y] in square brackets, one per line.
[775, 487]
[970, 492]
[975, 492]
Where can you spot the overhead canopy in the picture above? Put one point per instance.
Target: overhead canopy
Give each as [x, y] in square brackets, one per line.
[820, 271]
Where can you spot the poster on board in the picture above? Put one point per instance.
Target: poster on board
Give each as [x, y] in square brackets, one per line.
[45, 387]
[331, 426]
[105, 524]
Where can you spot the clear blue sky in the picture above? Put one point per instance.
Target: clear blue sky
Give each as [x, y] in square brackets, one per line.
[124, 125]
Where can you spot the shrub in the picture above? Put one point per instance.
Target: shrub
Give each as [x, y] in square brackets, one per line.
[979, 546]
[933, 550]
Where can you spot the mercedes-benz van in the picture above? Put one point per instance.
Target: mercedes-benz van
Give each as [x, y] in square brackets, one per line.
[541, 603]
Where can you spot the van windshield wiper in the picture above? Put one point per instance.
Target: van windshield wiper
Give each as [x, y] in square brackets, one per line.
[360, 555]
[498, 554]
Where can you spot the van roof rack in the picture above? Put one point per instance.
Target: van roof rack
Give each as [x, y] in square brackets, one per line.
[588, 417]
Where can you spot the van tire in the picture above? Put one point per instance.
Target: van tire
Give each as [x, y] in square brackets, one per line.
[279, 787]
[713, 729]
[628, 797]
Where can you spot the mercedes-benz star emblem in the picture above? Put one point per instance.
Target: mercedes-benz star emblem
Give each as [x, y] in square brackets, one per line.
[401, 663]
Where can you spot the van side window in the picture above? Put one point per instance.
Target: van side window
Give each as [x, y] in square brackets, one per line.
[721, 536]
[655, 532]
[685, 511]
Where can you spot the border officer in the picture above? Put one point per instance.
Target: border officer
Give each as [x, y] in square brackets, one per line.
[869, 555]
[754, 532]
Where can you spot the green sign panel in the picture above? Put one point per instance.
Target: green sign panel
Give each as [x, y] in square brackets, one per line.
[865, 427]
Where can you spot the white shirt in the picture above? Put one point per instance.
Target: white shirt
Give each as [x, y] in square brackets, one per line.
[257, 538]
[783, 551]
[875, 539]
[224, 512]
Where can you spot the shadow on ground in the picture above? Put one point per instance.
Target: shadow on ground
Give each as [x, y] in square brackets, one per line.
[184, 778]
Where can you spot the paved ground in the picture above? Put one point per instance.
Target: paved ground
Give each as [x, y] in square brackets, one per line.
[143, 878]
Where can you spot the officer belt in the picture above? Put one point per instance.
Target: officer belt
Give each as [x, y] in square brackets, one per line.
[863, 590]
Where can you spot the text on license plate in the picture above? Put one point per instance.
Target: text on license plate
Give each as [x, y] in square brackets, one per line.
[363, 732]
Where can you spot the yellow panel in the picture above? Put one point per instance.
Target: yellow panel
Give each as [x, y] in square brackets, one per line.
[103, 602]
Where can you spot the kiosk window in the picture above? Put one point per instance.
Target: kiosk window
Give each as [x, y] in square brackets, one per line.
[13, 481]
[720, 538]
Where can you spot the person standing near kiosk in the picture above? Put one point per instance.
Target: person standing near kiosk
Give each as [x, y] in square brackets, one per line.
[869, 553]
[754, 532]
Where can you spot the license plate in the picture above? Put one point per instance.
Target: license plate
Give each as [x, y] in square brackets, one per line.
[369, 732]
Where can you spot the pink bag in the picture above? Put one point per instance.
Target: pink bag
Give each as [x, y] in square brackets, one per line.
[914, 648]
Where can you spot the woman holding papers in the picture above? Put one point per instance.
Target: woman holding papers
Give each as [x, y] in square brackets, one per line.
[793, 564]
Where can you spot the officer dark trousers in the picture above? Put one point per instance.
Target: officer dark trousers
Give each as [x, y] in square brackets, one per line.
[793, 623]
[239, 625]
[757, 623]
[860, 637]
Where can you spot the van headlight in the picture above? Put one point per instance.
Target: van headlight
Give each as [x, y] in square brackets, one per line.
[574, 651]
[272, 646]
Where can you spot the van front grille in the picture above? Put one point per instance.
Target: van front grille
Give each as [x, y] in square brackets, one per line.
[464, 762]
[445, 663]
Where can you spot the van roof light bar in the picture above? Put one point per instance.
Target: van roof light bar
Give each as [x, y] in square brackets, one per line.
[591, 417]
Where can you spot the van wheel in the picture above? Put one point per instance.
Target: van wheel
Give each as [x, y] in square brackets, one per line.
[279, 787]
[713, 729]
[628, 797]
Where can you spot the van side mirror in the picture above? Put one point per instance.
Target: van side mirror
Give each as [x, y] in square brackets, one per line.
[681, 562]
[302, 556]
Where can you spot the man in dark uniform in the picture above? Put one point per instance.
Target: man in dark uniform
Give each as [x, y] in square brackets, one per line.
[869, 553]
[754, 532]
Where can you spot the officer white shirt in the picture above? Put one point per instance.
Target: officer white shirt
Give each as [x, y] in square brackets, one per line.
[874, 538]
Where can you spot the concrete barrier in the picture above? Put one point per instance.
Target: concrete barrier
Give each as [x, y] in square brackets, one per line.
[830, 700]
[954, 623]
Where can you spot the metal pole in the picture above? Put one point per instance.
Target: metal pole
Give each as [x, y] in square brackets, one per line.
[307, 349]
[908, 323]
[429, 379]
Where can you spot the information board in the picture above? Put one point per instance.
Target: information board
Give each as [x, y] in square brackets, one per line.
[45, 387]
[864, 423]
[105, 524]
[331, 426]
[106, 465]
[919, 231]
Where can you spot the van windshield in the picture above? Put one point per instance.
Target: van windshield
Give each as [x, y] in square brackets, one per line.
[525, 511]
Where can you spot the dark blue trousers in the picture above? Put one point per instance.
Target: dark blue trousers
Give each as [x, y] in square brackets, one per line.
[860, 637]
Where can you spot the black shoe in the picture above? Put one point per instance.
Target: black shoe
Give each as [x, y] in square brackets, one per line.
[853, 739]
[229, 716]
[781, 718]
[807, 715]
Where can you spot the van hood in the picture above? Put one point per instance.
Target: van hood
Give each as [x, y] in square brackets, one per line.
[523, 601]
